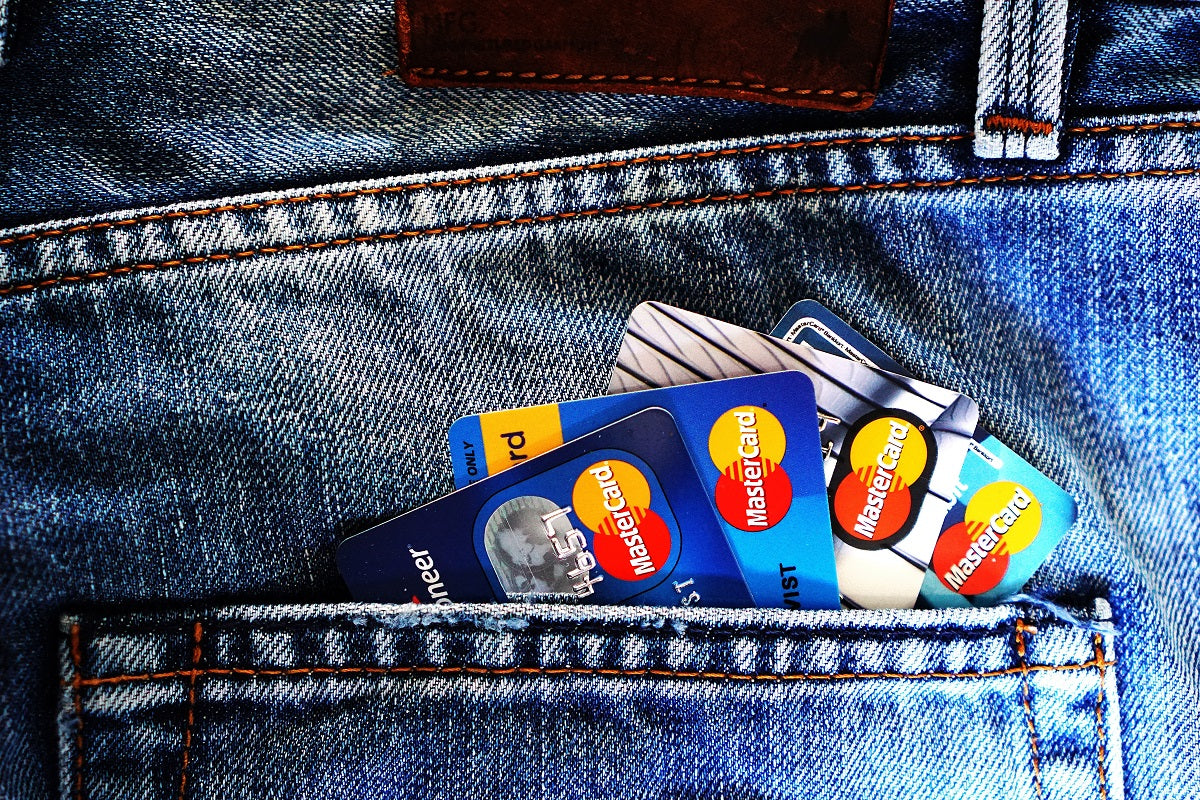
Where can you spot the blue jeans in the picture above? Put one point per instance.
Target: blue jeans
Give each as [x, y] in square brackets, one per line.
[202, 396]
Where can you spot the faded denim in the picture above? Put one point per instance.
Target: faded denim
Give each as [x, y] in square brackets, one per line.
[203, 390]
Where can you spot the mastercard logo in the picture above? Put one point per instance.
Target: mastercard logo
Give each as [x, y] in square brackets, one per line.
[612, 500]
[881, 478]
[747, 444]
[1001, 518]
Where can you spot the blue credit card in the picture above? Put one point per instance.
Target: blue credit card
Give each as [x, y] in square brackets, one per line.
[1007, 517]
[616, 516]
[756, 445]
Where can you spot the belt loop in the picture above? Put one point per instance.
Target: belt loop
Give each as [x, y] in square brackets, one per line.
[1022, 78]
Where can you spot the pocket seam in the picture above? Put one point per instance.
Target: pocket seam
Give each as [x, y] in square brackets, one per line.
[78, 683]
[197, 634]
[247, 672]
[1021, 630]
[1101, 735]
[1032, 178]
[77, 702]
[1136, 128]
[543, 626]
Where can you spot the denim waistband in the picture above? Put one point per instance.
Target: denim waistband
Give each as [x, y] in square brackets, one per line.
[114, 105]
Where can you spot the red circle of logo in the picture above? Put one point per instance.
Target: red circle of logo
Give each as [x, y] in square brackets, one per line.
[753, 501]
[949, 556]
[855, 506]
[632, 546]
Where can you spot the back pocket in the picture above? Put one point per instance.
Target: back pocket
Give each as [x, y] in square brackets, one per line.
[511, 701]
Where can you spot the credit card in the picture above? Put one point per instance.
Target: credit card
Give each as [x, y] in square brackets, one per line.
[755, 443]
[616, 516]
[1008, 515]
[893, 445]
[808, 322]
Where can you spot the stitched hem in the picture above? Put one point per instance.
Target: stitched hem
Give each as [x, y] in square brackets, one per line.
[197, 633]
[484, 179]
[47, 283]
[77, 704]
[1022, 630]
[602, 165]
[234, 672]
[1101, 736]
[1000, 122]
[665, 80]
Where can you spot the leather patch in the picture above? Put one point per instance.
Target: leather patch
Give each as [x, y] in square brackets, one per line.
[811, 53]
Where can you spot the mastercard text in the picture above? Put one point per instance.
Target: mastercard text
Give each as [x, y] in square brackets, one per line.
[881, 483]
[986, 542]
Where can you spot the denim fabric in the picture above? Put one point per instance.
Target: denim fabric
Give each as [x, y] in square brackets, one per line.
[544, 702]
[200, 398]
[113, 104]
[1139, 56]
[221, 395]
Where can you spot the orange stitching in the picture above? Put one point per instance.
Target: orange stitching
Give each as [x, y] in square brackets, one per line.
[197, 632]
[77, 700]
[998, 122]
[537, 173]
[1145, 126]
[642, 79]
[1019, 634]
[592, 672]
[1100, 733]
[565, 215]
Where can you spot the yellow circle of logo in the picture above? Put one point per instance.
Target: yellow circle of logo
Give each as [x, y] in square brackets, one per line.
[893, 445]
[746, 433]
[607, 487]
[1010, 510]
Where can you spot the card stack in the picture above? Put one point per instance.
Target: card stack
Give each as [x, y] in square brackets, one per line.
[805, 469]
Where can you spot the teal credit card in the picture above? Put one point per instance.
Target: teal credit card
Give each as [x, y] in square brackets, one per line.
[1007, 517]
[754, 442]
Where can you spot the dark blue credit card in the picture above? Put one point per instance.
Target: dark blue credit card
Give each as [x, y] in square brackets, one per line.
[617, 516]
